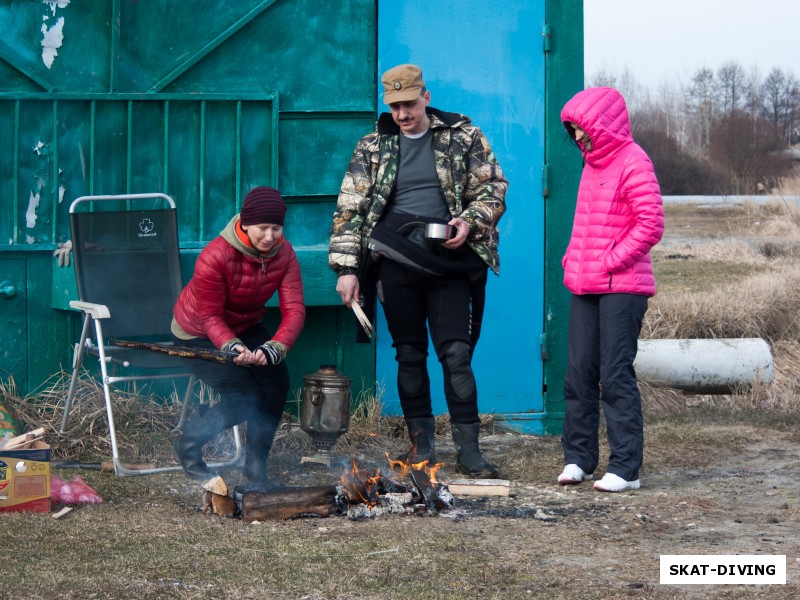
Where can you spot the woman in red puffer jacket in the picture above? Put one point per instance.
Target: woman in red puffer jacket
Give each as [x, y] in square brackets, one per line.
[221, 308]
[619, 217]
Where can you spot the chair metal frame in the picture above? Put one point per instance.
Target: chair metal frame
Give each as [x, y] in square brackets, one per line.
[95, 314]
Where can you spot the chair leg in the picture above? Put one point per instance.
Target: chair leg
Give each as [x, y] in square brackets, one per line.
[77, 363]
[187, 397]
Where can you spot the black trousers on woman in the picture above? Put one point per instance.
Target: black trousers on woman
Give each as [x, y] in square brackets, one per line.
[603, 335]
[256, 395]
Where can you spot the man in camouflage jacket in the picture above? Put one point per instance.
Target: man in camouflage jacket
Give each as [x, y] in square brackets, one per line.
[472, 182]
[430, 164]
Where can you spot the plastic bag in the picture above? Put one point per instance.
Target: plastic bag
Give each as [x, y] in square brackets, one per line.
[76, 491]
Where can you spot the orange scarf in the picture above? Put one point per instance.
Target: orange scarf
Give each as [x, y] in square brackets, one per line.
[242, 235]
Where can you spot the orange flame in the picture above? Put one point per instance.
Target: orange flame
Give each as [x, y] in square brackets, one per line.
[431, 472]
[400, 466]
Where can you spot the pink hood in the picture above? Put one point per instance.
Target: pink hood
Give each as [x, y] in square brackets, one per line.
[619, 215]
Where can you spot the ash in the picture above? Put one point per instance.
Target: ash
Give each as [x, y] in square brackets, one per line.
[393, 503]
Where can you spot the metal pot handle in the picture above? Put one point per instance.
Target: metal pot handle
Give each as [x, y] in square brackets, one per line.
[316, 396]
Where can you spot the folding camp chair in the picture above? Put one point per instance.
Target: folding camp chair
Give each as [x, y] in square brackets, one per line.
[127, 267]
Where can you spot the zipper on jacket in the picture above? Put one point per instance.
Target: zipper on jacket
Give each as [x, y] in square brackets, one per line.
[611, 275]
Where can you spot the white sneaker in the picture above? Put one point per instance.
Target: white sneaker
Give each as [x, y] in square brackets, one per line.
[615, 483]
[573, 474]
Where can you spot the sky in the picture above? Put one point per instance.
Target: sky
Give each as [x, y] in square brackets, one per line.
[667, 41]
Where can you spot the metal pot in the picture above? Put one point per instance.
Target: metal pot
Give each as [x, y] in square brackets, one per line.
[325, 412]
[440, 232]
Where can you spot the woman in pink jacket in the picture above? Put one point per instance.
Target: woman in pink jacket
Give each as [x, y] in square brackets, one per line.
[619, 217]
[221, 308]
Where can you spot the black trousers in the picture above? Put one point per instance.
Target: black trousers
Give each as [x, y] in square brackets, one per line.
[412, 303]
[603, 334]
[256, 395]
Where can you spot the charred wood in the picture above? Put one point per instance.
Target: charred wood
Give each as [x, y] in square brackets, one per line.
[288, 503]
[426, 490]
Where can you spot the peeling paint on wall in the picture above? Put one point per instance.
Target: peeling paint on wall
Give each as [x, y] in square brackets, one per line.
[30, 214]
[61, 191]
[51, 41]
[38, 147]
[56, 4]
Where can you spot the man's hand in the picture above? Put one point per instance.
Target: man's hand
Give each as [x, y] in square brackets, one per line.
[462, 231]
[348, 289]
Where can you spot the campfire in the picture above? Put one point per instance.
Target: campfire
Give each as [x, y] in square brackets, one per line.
[365, 495]
[360, 494]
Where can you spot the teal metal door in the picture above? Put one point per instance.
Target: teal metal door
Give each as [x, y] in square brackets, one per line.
[486, 60]
[14, 329]
[199, 100]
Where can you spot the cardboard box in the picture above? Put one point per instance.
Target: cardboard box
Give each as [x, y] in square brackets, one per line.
[25, 478]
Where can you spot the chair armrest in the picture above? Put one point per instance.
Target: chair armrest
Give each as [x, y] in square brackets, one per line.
[97, 311]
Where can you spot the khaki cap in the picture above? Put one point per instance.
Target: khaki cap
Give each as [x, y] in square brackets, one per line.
[402, 83]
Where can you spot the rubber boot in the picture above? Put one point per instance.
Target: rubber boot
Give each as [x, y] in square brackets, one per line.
[421, 432]
[258, 443]
[469, 459]
[188, 447]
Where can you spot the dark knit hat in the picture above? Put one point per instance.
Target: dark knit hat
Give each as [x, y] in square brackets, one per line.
[263, 205]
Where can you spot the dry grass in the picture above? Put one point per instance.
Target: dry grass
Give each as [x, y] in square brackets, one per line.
[762, 305]
[148, 540]
[746, 285]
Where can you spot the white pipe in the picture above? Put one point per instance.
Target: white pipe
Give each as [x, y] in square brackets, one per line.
[704, 366]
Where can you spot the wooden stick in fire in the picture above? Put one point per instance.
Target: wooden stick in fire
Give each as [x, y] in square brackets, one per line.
[363, 320]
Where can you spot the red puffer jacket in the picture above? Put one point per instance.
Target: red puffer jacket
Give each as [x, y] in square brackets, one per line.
[232, 283]
[619, 214]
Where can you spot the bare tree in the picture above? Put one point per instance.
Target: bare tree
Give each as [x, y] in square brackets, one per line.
[750, 154]
[792, 109]
[700, 103]
[773, 95]
[731, 83]
[720, 131]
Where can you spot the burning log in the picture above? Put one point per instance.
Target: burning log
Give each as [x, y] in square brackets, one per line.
[358, 486]
[387, 485]
[318, 501]
[426, 489]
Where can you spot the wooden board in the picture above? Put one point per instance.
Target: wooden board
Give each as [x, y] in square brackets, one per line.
[480, 487]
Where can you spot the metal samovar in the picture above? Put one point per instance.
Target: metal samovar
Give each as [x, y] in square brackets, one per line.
[325, 413]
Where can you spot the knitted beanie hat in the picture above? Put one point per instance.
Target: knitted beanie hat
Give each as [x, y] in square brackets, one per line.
[263, 205]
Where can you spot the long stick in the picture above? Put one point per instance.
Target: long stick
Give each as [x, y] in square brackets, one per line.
[184, 351]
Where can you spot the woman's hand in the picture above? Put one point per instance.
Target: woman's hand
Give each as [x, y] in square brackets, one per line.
[246, 357]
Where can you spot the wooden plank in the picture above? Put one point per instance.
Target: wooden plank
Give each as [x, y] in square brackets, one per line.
[24, 439]
[480, 487]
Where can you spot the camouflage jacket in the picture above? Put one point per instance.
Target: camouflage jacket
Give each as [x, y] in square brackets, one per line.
[473, 186]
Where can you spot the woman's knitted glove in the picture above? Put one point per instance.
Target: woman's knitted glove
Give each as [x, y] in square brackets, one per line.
[274, 351]
[231, 345]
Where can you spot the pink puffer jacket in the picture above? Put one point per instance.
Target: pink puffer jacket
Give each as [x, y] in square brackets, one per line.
[619, 214]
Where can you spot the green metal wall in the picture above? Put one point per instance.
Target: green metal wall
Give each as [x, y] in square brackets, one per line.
[201, 101]
[563, 164]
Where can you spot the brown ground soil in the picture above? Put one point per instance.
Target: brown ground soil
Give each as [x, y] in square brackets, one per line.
[714, 481]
